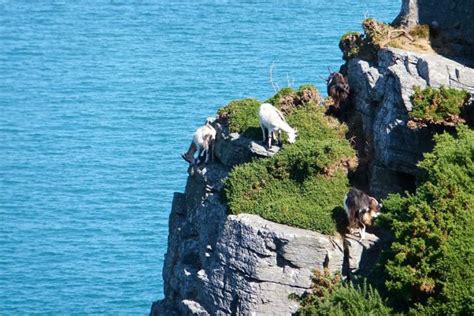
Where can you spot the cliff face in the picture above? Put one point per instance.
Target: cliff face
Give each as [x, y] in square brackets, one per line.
[380, 94]
[218, 264]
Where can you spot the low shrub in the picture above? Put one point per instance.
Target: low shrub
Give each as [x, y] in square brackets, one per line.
[438, 105]
[304, 184]
[429, 266]
[241, 116]
[378, 35]
[330, 296]
[287, 99]
[351, 44]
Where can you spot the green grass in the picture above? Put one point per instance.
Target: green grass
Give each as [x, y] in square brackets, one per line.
[437, 104]
[304, 184]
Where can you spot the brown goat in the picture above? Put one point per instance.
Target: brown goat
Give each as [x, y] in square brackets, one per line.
[338, 88]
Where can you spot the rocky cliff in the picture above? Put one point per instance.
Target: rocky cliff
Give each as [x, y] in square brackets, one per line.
[220, 264]
[380, 93]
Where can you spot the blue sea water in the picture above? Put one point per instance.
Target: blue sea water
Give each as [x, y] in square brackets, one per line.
[97, 101]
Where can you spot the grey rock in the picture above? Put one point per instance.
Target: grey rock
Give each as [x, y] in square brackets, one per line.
[232, 148]
[259, 150]
[381, 94]
[192, 308]
[451, 19]
[258, 263]
[358, 249]
[408, 16]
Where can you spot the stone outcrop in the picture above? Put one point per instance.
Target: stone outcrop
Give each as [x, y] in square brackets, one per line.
[220, 264]
[380, 93]
[451, 20]
[360, 253]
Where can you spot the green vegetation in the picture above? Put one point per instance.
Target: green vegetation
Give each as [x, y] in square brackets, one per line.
[331, 296]
[429, 266]
[287, 99]
[438, 105]
[304, 184]
[427, 270]
[242, 117]
[351, 44]
[282, 95]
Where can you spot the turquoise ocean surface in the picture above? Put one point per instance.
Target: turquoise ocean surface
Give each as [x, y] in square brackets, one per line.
[97, 101]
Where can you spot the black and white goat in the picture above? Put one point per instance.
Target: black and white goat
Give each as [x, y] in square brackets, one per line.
[361, 209]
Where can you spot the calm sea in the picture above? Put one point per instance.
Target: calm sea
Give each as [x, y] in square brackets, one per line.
[97, 101]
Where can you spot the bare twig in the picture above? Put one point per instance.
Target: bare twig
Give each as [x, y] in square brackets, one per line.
[274, 84]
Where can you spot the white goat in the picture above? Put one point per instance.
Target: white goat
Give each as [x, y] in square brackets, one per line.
[272, 120]
[203, 142]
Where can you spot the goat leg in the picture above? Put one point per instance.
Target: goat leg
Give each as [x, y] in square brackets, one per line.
[207, 157]
[211, 148]
[189, 155]
[264, 134]
[362, 232]
[197, 160]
